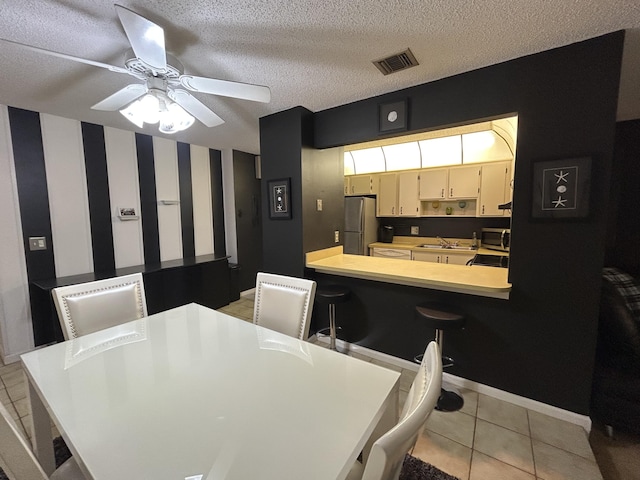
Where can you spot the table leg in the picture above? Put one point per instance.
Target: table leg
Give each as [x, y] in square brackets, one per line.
[388, 420]
[41, 436]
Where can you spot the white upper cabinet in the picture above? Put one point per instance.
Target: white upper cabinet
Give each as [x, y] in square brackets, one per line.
[408, 202]
[387, 204]
[361, 185]
[434, 183]
[494, 189]
[464, 182]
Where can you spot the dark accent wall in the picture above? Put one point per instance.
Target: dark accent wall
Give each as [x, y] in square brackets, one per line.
[186, 200]
[248, 218]
[282, 137]
[540, 343]
[33, 196]
[217, 202]
[148, 198]
[623, 232]
[322, 179]
[95, 156]
[444, 227]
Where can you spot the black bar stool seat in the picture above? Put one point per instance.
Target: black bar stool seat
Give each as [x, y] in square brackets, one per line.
[331, 295]
[441, 317]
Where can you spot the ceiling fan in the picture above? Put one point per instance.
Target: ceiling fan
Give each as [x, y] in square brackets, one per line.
[164, 96]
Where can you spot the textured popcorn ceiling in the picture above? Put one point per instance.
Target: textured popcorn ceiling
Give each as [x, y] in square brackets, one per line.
[312, 53]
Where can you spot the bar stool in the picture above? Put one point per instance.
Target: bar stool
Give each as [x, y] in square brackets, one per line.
[442, 317]
[331, 295]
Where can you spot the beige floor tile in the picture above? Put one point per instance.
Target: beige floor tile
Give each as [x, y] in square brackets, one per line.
[17, 391]
[22, 407]
[4, 397]
[502, 413]
[470, 397]
[505, 445]
[484, 467]
[555, 464]
[447, 455]
[14, 377]
[27, 426]
[12, 367]
[456, 426]
[567, 436]
[12, 411]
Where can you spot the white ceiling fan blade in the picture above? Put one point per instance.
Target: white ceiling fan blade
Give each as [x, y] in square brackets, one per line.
[146, 38]
[245, 91]
[121, 98]
[68, 57]
[195, 107]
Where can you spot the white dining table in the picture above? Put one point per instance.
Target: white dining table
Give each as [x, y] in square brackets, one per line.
[194, 394]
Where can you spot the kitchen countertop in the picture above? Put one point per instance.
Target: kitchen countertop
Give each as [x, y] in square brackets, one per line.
[471, 280]
[411, 243]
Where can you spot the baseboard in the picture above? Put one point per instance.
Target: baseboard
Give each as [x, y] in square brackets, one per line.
[451, 380]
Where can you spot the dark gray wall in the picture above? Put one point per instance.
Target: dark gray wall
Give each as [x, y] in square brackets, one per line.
[282, 137]
[248, 218]
[541, 342]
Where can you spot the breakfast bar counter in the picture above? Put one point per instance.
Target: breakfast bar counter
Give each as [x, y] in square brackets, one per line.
[471, 280]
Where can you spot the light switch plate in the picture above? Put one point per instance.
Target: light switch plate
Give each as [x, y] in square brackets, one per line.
[415, 230]
[319, 204]
[37, 243]
[336, 236]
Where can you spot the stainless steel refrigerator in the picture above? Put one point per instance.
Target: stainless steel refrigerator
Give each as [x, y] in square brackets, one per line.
[360, 225]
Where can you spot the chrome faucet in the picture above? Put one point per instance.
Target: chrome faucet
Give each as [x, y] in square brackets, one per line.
[446, 243]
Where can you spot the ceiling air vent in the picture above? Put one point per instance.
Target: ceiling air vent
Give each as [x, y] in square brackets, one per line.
[397, 62]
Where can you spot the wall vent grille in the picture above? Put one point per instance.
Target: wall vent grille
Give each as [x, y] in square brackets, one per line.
[397, 62]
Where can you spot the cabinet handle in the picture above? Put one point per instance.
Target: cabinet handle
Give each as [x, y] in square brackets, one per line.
[353, 188]
[400, 210]
[442, 193]
[483, 209]
[446, 259]
[451, 194]
[393, 210]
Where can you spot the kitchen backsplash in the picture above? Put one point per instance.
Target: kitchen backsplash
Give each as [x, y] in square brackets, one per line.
[444, 227]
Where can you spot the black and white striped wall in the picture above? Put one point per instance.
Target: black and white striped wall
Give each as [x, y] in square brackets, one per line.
[65, 180]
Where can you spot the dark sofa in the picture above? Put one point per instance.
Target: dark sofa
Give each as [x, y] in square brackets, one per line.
[615, 399]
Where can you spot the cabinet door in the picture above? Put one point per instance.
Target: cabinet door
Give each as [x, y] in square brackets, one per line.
[426, 257]
[360, 185]
[408, 203]
[434, 183]
[464, 182]
[456, 258]
[494, 182]
[387, 204]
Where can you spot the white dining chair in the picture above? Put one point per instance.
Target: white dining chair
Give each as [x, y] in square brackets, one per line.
[284, 304]
[18, 461]
[92, 306]
[388, 452]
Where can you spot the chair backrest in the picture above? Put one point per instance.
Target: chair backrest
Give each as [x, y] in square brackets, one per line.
[388, 452]
[284, 304]
[16, 458]
[92, 306]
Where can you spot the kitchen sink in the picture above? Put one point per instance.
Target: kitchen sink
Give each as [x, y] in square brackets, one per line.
[447, 247]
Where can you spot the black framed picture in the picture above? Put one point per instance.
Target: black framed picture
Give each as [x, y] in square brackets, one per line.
[392, 116]
[561, 188]
[279, 198]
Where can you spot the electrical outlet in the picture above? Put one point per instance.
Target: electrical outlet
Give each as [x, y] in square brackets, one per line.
[336, 236]
[415, 230]
[37, 243]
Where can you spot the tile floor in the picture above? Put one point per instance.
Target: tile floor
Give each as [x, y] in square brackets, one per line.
[487, 439]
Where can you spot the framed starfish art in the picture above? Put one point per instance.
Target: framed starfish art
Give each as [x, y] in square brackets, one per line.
[561, 188]
[279, 198]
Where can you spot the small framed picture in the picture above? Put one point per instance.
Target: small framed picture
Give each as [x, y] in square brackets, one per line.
[561, 188]
[279, 199]
[392, 116]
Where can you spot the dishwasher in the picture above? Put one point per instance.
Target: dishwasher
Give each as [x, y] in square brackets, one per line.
[392, 253]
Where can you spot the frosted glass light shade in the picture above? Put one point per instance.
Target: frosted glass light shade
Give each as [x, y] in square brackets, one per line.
[439, 152]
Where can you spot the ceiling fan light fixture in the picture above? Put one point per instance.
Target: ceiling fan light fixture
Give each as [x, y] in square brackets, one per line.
[156, 107]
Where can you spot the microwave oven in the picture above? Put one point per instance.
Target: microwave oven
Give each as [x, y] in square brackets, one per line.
[496, 239]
